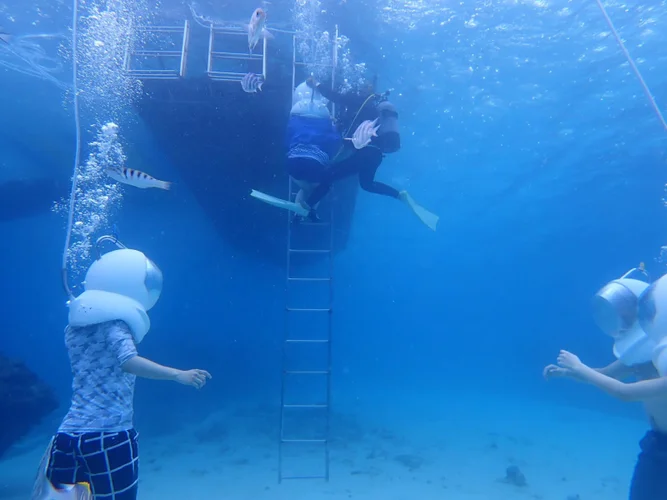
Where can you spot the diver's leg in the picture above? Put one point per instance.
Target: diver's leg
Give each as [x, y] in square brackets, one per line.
[318, 194]
[338, 171]
[372, 158]
[307, 173]
[304, 193]
[305, 169]
[306, 188]
[112, 459]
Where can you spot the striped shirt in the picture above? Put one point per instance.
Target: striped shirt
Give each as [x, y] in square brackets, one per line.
[309, 151]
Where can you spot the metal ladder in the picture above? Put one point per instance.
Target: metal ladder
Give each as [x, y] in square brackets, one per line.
[213, 55]
[306, 374]
[158, 56]
[305, 406]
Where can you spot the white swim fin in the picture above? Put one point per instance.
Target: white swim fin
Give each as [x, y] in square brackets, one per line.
[428, 218]
[277, 202]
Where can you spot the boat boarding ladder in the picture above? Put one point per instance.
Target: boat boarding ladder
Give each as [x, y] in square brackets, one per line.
[171, 64]
[305, 405]
[232, 35]
[158, 63]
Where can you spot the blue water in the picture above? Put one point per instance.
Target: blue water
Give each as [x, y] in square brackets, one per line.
[522, 127]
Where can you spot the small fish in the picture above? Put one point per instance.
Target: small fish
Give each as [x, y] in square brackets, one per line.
[252, 83]
[256, 29]
[5, 37]
[43, 489]
[136, 178]
[362, 136]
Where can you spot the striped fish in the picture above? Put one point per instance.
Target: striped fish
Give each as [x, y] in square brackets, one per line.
[252, 83]
[364, 133]
[136, 178]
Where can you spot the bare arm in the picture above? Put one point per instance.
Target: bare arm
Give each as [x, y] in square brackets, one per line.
[635, 391]
[145, 368]
[616, 370]
[570, 365]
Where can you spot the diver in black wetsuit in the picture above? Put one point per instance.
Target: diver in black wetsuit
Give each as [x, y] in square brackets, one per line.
[357, 108]
[315, 160]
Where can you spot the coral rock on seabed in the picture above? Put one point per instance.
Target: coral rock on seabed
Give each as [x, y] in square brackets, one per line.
[513, 475]
[24, 401]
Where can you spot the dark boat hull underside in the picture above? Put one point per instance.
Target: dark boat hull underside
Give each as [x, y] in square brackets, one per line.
[224, 143]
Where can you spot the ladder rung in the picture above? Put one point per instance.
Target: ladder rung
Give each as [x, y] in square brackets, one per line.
[304, 441]
[236, 55]
[307, 372]
[299, 63]
[302, 477]
[298, 250]
[158, 29]
[309, 279]
[306, 406]
[156, 53]
[298, 309]
[313, 341]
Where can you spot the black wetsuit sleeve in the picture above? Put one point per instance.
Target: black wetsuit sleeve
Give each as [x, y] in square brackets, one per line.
[368, 183]
[328, 93]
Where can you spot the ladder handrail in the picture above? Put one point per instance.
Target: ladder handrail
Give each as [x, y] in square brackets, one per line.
[287, 340]
[241, 56]
[333, 69]
[158, 74]
[184, 48]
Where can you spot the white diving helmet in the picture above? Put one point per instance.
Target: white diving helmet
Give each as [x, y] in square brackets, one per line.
[309, 102]
[615, 311]
[120, 285]
[652, 313]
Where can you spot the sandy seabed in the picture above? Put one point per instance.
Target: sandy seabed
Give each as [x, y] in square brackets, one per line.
[459, 450]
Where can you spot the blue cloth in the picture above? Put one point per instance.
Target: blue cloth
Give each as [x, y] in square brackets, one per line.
[649, 481]
[312, 137]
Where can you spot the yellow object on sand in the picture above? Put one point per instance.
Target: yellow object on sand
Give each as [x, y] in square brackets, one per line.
[428, 218]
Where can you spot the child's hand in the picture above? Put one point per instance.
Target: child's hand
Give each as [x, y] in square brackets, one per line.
[569, 362]
[554, 371]
[193, 378]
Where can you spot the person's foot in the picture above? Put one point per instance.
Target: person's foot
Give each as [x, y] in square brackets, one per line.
[297, 219]
[312, 216]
